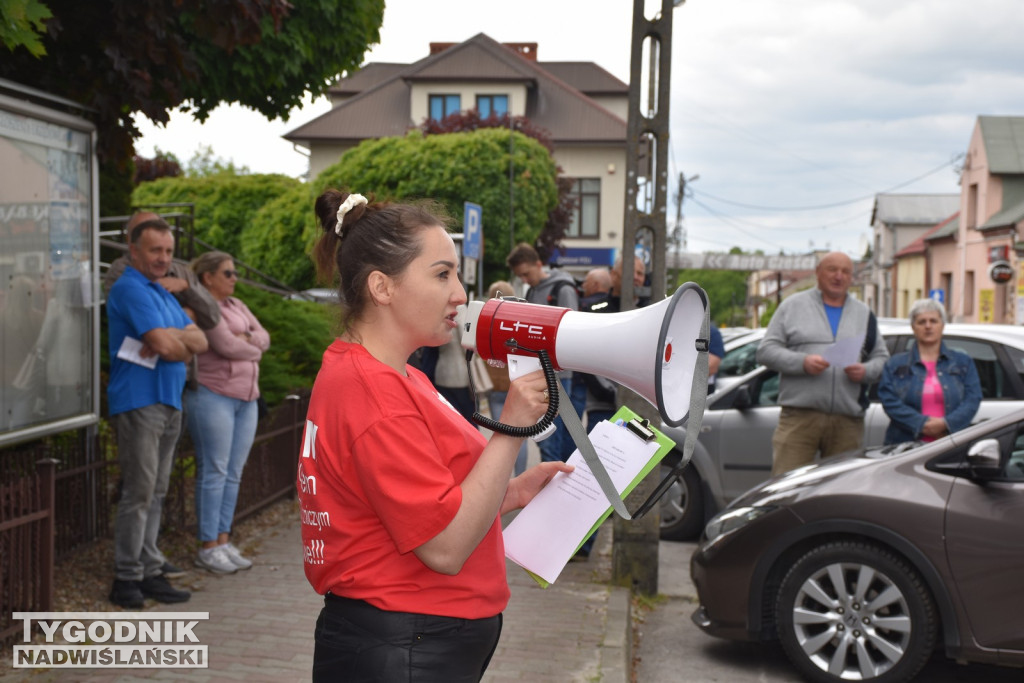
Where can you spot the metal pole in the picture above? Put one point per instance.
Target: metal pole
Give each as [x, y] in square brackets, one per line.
[635, 552]
[511, 187]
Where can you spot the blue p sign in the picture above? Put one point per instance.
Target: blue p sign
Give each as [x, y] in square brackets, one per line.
[472, 229]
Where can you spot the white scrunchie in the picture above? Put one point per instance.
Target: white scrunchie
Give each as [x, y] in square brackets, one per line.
[350, 203]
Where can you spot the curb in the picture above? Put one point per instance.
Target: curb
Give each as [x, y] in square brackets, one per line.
[617, 648]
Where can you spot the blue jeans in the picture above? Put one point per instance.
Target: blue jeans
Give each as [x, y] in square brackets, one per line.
[146, 441]
[496, 400]
[222, 430]
[559, 446]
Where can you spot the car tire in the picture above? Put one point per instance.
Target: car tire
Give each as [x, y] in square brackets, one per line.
[682, 506]
[833, 625]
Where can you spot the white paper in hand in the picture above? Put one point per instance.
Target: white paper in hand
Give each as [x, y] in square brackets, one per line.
[129, 351]
[546, 533]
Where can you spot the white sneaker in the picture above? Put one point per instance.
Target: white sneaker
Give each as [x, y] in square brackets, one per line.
[217, 560]
[235, 555]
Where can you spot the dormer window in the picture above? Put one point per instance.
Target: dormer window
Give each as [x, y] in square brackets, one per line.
[444, 105]
[488, 105]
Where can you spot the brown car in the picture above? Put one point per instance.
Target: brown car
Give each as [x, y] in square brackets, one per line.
[863, 565]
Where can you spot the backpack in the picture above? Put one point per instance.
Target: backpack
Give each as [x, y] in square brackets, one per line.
[557, 287]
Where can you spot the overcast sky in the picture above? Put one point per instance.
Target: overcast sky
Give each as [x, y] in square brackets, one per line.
[780, 106]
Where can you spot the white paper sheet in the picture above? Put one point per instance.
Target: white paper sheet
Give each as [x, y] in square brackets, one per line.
[545, 534]
[845, 351]
[129, 351]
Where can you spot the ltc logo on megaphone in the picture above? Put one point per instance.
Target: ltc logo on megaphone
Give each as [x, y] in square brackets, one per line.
[653, 350]
[532, 331]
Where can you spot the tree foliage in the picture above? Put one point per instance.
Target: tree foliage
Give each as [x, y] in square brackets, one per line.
[727, 293]
[204, 164]
[162, 165]
[225, 204]
[557, 224]
[454, 169]
[22, 23]
[281, 236]
[124, 56]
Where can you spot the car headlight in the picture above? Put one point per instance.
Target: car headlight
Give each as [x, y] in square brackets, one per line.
[731, 520]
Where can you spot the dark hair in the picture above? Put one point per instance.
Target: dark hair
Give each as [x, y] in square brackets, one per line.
[523, 253]
[382, 236]
[135, 230]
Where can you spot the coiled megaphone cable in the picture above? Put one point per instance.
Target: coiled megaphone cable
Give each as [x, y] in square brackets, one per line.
[549, 416]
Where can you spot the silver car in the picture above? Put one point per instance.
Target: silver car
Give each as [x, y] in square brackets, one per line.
[734, 450]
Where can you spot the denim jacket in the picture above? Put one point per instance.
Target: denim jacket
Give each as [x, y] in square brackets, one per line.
[903, 381]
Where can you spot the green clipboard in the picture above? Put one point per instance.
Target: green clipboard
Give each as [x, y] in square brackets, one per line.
[665, 445]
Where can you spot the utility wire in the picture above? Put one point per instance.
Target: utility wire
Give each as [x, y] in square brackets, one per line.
[719, 119]
[728, 220]
[785, 228]
[835, 204]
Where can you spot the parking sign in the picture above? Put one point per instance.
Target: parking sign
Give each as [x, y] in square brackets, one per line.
[472, 229]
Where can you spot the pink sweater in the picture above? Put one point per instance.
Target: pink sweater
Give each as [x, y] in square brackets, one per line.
[231, 366]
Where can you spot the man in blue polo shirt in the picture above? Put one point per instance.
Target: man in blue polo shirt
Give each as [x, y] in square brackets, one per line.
[145, 407]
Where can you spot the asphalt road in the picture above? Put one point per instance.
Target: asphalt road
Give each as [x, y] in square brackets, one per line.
[673, 650]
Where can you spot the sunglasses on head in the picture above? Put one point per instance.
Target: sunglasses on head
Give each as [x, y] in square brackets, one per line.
[230, 273]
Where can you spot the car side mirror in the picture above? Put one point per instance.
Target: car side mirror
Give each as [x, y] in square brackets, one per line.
[742, 400]
[983, 458]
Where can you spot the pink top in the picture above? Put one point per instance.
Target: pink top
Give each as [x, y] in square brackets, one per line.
[932, 404]
[231, 366]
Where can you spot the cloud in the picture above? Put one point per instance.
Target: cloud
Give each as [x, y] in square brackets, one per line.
[782, 103]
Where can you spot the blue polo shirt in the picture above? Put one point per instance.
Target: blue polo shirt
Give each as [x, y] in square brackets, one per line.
[134, 307]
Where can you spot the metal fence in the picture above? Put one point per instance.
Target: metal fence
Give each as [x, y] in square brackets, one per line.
[59, 494]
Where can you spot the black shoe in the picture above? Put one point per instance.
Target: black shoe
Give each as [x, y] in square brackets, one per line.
[169, 571]
[127, 594]
[159, 589]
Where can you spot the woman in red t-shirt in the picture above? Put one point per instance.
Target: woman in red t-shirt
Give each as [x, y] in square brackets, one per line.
[400, 496]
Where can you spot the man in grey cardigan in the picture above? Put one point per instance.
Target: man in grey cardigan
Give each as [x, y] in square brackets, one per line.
[820, 403]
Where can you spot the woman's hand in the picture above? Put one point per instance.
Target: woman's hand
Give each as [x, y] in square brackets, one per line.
[527, 400]
[934, 427]
[523, 488]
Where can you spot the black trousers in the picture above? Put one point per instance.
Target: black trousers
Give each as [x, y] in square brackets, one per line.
[356, 641]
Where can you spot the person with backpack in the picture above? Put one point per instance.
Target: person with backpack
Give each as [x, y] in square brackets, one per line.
[552, 287]
[822, 404]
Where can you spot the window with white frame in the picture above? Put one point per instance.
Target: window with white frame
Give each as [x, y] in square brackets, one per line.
[488, 105]
[443, 105]
[586, 219]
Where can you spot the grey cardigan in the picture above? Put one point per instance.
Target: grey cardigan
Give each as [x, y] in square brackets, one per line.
[800, 328]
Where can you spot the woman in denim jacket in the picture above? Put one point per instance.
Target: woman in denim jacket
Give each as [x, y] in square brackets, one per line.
[931, 390]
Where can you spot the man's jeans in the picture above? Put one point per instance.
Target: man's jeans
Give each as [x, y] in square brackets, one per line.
[496, 400]
[146, 441]
[222, 431]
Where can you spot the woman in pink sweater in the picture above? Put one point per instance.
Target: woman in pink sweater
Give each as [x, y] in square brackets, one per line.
[221, 412]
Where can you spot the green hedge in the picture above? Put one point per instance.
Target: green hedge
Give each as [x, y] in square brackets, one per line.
[225, 204]
[455, 168]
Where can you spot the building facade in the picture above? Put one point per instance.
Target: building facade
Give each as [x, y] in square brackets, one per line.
[581, 106]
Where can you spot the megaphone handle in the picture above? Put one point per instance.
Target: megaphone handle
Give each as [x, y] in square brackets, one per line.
[524, 365]
[545, 434]
[520, 365]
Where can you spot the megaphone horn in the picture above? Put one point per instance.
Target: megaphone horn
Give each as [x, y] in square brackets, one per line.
[651, 350]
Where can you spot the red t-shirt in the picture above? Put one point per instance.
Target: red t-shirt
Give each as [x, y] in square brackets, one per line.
[382, 462]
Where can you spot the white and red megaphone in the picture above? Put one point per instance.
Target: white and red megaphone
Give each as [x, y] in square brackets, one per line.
[652, 350]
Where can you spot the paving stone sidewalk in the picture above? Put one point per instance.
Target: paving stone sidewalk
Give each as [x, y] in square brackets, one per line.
[261, 621]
